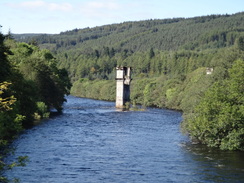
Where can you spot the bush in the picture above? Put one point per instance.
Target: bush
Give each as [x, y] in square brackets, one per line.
[42, 110]
[218, 119]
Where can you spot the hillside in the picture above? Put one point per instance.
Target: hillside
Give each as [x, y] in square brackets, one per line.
[167, 34]
[122, 40]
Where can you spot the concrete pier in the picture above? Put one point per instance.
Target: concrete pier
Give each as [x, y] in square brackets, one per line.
[123, 79]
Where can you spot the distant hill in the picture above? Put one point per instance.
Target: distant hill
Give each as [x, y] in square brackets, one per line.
[213, 31]
[25, 37]
[150, 46]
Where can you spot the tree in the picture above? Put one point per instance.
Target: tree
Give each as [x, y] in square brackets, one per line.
[5, 69]
[10, 122]
[151, 53]
[5, 103]
[9, 35]
[42, 81]
[240, 43]
[219, 118]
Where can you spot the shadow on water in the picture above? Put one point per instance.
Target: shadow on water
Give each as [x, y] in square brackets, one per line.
[216, 165]
[55, 114]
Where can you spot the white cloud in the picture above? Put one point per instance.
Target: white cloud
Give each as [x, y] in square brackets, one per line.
[42, 5]
[95, 5]
[30, 4]
[60, 7]
[100, 9]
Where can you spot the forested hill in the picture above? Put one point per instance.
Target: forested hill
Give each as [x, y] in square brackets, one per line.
[166, 34]
[95, 52]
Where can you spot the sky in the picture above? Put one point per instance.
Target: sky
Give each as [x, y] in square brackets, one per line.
[55, 16]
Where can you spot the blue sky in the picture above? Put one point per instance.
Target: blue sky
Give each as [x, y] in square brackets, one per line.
[55, 16]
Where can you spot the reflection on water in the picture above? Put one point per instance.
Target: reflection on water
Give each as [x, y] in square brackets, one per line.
[93, 142]
[216, 165]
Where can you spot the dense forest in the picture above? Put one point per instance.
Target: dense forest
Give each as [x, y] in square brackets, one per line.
[170, 60]
[30, 86]
[147, 45]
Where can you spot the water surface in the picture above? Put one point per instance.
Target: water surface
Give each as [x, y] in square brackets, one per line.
[93, 142]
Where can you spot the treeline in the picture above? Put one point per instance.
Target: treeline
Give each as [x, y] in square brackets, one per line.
[94, 52]
[30, 85]
[160, 77]
[30, 82]
[159, 34]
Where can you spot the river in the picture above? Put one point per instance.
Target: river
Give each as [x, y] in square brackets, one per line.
[92, 142]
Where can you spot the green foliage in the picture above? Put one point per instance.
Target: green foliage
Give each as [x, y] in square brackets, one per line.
[193, 89]
[39, 68]
[5, 69]
[99, 89]
[127, 106]
[5, 103]
[10, 124]
[137, 88]
[148, 94]
[240, 43]
[170, 93]
[20, 162]
[218, 119]
[174, 47]
[42, 110]
[167, 34]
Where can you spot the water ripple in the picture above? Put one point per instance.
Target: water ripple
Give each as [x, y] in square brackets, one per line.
[92, 142]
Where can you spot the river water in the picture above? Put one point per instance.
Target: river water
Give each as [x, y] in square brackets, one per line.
[92, 142]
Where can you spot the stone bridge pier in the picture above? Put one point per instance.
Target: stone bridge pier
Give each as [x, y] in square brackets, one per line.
[123, 79]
